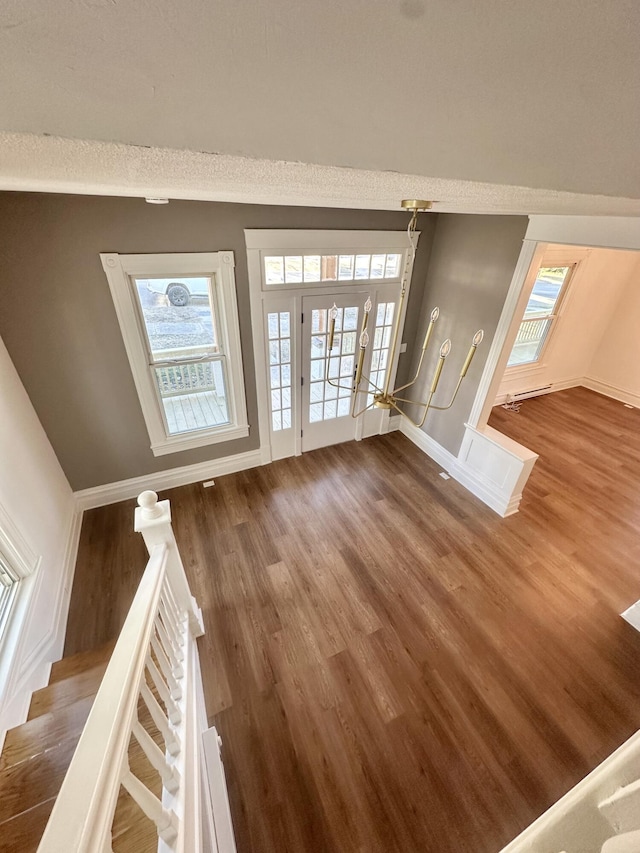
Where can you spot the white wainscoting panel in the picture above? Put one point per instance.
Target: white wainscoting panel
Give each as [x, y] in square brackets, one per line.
[490, 465]
[494, 467]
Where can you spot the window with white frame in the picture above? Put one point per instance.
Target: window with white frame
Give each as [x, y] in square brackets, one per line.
[540, 314]
[179, 320]
[9, 579]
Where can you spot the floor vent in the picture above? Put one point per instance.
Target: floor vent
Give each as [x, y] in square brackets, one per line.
[524, 395]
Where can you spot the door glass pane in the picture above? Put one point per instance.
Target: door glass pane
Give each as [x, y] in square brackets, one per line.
[193, 396]
[279, 326]
[329, 400]
[178, 316]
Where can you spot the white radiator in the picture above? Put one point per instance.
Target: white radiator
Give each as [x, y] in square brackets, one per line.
[533, 392]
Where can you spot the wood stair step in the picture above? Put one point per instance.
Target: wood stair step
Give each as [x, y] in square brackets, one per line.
[76, 664]
[44, 732]
[29, 783]
[63, 693]
[132, 831]
[22, 833]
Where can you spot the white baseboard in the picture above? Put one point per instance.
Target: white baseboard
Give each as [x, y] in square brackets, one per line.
[613, 391]
[428, 445]
[491, 466]
[394, 423]
[169, 479]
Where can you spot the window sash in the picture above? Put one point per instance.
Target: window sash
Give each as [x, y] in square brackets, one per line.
[537, 327]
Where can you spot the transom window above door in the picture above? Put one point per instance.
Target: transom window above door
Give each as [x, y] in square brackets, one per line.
[315, 268]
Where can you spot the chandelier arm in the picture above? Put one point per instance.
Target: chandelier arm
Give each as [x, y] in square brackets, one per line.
[413, 381]
[372, 384]
[453, 399]
[355, 414]
[337, 384]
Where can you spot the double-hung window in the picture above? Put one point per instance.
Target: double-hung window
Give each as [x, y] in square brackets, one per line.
[179, 319]
[540, 314]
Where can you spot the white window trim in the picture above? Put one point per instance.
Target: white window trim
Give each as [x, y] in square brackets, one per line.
[119, 269]
[287, 241]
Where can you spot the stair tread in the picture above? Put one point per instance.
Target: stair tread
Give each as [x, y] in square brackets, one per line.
[69, 666]
[29, 783]
[22, 833]
[62, 693]
[132, 831]
[45, 732]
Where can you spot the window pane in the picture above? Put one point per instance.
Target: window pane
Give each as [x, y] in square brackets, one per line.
[392, 269]
[280, 368]
[329, 267]
[362, 266]
[312, 267]
[274, 270]
[377, 266]
[178, 316]
[193, 396]
[293, 270]
[529, 341]
[345, 267]
[546, 291]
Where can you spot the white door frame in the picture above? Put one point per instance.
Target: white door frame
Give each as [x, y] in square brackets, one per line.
[290, 241]
[489, 464]
[607, 232]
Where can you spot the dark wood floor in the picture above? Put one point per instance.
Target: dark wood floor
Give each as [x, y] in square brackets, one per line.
[391, 665]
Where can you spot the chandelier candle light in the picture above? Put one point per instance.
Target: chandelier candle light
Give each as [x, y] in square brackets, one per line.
[382, 397]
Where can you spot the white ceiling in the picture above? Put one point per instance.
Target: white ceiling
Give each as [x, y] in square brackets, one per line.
[543, 95]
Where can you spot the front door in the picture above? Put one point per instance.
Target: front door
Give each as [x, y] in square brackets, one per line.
[327, 379]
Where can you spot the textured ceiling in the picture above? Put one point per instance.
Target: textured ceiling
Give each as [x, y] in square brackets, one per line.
[51, 164]
[543, 95]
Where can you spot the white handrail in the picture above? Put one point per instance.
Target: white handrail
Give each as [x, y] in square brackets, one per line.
[82, 816]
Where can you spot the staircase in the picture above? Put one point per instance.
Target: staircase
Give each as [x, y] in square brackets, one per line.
[115, 754]
[36, 755]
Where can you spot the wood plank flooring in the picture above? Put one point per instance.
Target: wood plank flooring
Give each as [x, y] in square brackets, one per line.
[392, 666]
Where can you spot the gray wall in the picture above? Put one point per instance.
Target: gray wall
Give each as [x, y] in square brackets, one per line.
[59, 325]
[470, 269]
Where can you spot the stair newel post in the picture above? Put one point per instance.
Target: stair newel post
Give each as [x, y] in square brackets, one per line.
[153, 521]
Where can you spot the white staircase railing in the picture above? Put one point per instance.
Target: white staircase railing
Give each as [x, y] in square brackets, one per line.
[155, 667]
[600, 815]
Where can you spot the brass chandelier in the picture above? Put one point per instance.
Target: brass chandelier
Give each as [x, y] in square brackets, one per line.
[383, 398]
